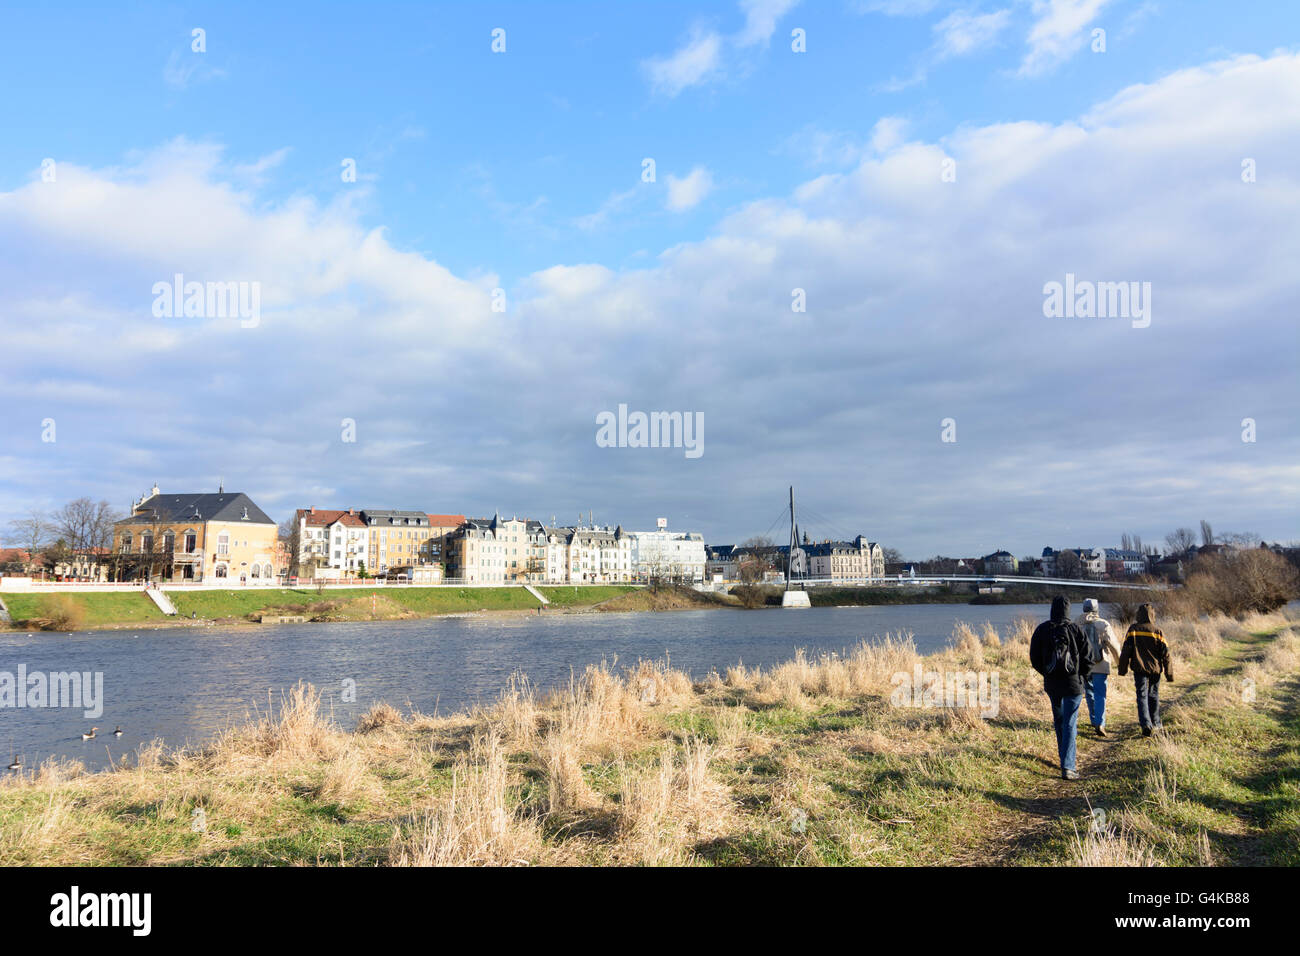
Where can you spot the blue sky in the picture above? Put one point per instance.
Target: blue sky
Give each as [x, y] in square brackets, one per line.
[774, 170]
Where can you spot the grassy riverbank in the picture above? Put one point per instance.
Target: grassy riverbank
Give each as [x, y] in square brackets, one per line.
[806, 763]
[99, 609]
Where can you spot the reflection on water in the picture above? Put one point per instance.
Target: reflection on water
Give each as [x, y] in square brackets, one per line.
[184, 684]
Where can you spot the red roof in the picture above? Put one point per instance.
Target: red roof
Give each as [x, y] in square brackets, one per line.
[445, 521]
[323, 517]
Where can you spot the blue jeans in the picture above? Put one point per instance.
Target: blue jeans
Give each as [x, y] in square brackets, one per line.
[1065, 718]
[1148, 695]
[1094, 690]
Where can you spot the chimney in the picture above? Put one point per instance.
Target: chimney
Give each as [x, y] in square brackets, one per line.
[313, 509]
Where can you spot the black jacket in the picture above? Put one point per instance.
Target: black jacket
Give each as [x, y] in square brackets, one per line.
[1040, 649]
[1145, 649]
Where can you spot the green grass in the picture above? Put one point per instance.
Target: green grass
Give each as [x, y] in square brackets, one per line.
[97, 608]
[444, 600]
[584, 596]
[238, 603]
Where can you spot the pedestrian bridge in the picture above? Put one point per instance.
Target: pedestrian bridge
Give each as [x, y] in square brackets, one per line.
[980, 579]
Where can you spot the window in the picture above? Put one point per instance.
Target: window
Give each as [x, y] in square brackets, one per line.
[223, 543]
[126, 542]
[169, 541]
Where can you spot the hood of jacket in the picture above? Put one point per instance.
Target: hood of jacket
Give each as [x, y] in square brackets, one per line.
[1146, 614]
[1090, 606]
[1060, 608]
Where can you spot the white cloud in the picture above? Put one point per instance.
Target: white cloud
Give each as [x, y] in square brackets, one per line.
[707, 55]
[924, 301]
[695, 62]
[1057, 33]
[961, 33]
[688, 191]
[896, 8]
[182, 69]
[761, 17]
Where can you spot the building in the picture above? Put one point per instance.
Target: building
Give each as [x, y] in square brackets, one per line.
[331, 543]
[835, 561]
[396, 538]
[1092, 561]
[495, 550]
[1122, 563]
[668, 556]
[602, 556]
[195, 537]
[439, 527]
[1000, 563]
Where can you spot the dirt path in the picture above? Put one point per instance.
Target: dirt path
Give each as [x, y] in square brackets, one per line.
[1109, 767]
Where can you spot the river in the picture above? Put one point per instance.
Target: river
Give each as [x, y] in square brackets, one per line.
[185, 684]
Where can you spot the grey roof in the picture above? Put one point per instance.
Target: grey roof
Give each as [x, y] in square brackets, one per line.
[178, 509]
[394, 518]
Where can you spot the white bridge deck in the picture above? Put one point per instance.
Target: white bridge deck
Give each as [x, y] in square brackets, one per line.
[968, 579]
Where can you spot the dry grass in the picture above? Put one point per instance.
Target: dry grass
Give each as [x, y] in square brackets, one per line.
[1110, 845]
[633, 765]
[476, 825]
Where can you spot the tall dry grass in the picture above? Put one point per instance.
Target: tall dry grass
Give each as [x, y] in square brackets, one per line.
[477, 824]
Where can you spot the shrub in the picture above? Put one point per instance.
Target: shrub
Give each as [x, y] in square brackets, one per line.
[62, 613]
[1238, 583]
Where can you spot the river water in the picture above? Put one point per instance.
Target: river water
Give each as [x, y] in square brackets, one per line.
[185, 684]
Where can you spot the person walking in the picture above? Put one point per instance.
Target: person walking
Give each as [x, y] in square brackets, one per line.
[1105, 648]
[1147, 652]
[1059, 651]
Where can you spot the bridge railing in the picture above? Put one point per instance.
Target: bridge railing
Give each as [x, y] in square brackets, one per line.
[971, 579]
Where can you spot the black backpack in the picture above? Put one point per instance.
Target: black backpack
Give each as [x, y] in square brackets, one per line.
[1061, 655]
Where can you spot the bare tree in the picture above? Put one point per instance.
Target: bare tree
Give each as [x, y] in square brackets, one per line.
[32, 533]
[85, 527]
[289, 532]
[1068, 564]
[892, 555]
[1207, 533]
[1181, 540]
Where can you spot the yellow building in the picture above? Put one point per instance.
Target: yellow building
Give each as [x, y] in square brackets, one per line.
[222, 537]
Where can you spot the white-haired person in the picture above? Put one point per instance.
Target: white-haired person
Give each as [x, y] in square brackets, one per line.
[1106, 649]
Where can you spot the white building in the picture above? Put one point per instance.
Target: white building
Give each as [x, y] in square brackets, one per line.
[668, 555]
[335, 541]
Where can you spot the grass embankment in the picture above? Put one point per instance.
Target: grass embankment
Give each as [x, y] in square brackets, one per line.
[669, 599]
[64, 611]
[585, 595]
[805, 763]
[86, 610]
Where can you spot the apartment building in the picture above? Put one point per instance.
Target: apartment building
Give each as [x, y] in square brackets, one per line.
[668, 555]
[331, 543]
[195, 537]
[495, 550]
[397, 539]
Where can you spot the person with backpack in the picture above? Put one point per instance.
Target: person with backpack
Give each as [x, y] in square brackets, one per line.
[1147, 652]
[1059, 651]
[1105, 648]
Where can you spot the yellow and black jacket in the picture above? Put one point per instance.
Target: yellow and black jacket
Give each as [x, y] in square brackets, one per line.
[1145, 648]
